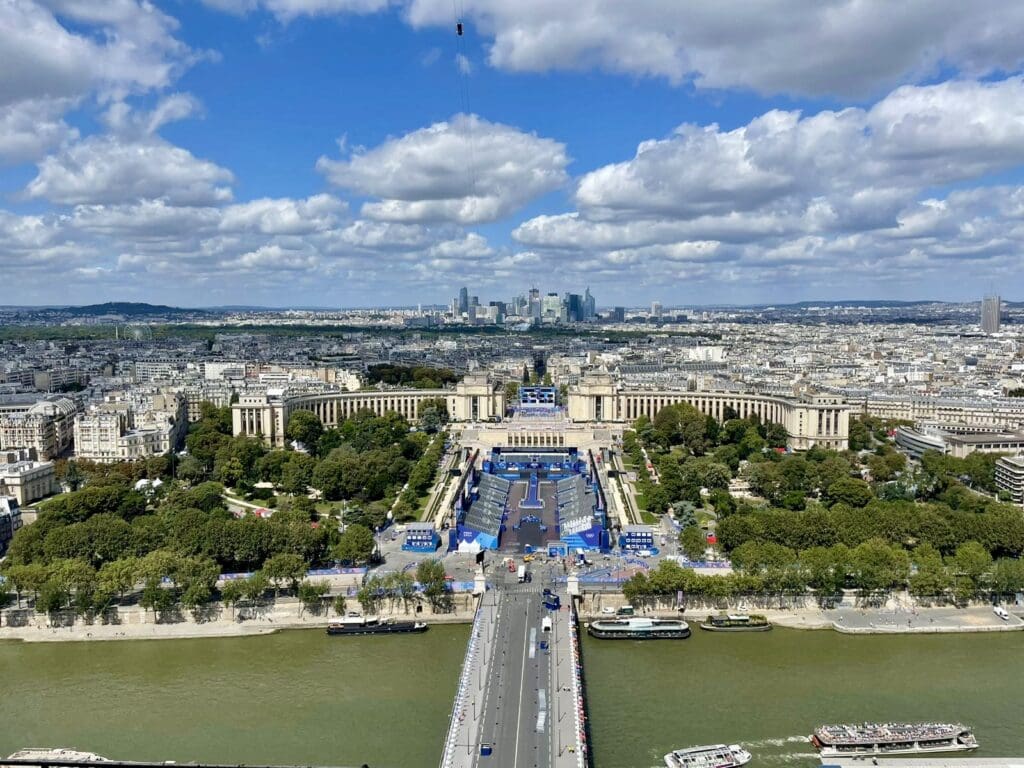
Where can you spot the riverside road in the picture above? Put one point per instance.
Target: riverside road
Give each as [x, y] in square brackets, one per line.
[518, 703]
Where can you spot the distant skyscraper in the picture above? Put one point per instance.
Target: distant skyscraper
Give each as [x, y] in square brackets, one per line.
[463, 299]
[551, 306]
[617, 315]
[656, 310]
[572, 308]
[990, 306]
[589, 305]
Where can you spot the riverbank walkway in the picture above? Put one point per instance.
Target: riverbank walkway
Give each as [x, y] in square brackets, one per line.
[520, 699]
[913, 620]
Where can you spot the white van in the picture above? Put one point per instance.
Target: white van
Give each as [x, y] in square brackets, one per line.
[545, 625]
[521, 574]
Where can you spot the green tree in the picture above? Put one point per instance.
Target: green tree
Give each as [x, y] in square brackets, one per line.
[850, 491]
[53, 596]
[297, 474]
[723, 503]
[73, 477]
[930, 577]
[254, 587]
[198, 578]
[28, 577]
[433, 414]
[311, 594]
[431, 576]
[119, 576]
[78, 579]
[190, 469]
[825, 568]
[693, 542]
[231, 593]
[859, 435]
[155, 598]
[305, 427]
[356, 545]
[972, 564]
[338, 604]
[329, 479]
[285, 568]
[877, 566]
[1008, 576]
[637, 589]
[371, 594]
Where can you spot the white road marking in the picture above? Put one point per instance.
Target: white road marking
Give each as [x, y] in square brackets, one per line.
[522, 680]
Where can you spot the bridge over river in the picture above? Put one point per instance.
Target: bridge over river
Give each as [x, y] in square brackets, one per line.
[520, 702]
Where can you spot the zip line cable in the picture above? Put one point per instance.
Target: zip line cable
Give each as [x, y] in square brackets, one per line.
[462, 63]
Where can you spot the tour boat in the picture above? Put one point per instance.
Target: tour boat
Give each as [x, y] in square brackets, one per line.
[639, 629]
[713, 756]
[875, 739]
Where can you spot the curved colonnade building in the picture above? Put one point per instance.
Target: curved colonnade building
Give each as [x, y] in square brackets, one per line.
[819, 420]
[477, 397]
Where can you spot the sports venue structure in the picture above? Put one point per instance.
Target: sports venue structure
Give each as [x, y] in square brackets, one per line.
[525, 499]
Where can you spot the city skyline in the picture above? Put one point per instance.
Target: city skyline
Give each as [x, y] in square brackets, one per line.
[340, 154]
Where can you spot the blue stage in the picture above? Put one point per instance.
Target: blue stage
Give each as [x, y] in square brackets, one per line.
[532, 500]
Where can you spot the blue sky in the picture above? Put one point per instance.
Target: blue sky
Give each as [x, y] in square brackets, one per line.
[336, 152]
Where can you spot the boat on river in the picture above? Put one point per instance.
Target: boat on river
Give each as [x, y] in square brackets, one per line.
[48, 754]
[372, 626]
[639, 629]
[712, 756]
[736, 622]
[874, 739]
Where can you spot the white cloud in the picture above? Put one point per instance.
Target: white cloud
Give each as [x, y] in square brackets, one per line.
[288, 10]
[784, 175]
[67, 48]
[815, 47]
[466, 170]
[105, 169]
[857, 195]
[319, 213]
[848, 48]
[122, 119]
[29, 128]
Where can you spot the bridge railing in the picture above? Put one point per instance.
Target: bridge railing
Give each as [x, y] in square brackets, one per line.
[462, 692]
[577, 691]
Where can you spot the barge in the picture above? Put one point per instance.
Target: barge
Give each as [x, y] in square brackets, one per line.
[639, 629]
[874, 739]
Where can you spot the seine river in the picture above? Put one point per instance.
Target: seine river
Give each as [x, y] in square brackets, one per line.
[303, 698]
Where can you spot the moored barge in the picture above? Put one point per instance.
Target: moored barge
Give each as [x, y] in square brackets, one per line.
[639, 629]
[736, 622]
[892, 739]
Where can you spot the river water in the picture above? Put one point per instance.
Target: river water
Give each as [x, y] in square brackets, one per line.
[767, 690]
[302, 697]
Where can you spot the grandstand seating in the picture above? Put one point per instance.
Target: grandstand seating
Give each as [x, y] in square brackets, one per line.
[486, 511]
[576, 505]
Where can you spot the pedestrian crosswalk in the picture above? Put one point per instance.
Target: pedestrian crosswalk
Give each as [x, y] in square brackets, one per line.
[522, 589]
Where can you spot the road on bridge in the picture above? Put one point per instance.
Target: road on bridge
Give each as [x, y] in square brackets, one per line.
[519, 699]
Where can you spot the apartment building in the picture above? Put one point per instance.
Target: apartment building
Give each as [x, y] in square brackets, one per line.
[131, 427]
